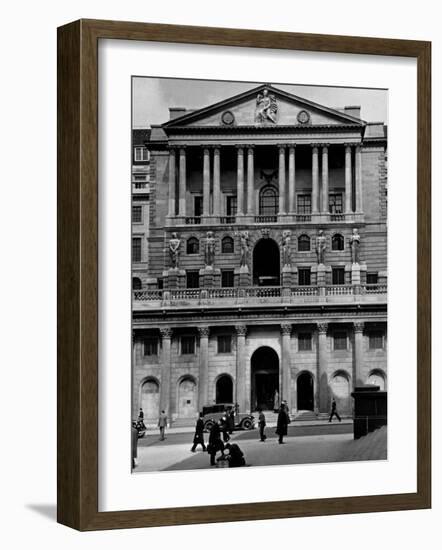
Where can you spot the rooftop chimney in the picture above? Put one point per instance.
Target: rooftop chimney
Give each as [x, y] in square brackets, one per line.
[175, 112]
[353, 110]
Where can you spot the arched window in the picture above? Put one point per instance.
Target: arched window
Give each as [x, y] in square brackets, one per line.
[136, 283]
[337, 242]
[193, 246]
[303, 243]
[227, 246]
[268, 201]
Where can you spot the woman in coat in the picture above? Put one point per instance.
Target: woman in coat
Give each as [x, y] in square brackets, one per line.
[215, 442]
[282, 423]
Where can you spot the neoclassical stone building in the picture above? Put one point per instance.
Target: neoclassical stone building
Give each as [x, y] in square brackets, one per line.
[266, 271]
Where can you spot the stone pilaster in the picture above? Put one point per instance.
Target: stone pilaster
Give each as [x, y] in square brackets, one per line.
[325, 207]
[182, 183]
[358, 379]
[322, 377]
[241, 371]
[281, 179]
[216, 181]
[203, 374]
[206, 182]
[348, 201]
[292, 179]
[240, 181]
[250, 181]
[358, 179]
[285, 390]
[166, 336]
[172, 179]
[315, 179]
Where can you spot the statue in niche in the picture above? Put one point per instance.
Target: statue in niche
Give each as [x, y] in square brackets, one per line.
[355, 243]
[286, 252]
[321, 245]
[174, 250]
[266, 107]
[244, 248]
[209, 250]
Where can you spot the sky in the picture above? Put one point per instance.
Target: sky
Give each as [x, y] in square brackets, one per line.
[152, 97]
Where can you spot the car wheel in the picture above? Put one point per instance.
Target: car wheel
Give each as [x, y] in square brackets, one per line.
[246, 424]
[208, 425]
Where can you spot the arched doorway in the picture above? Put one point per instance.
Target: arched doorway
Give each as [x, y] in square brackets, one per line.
[340, 386]
[266, 263]
[305, 392]
[150, 399]
[187, 398]
[377, 378]
[265, 378]
[224, 389]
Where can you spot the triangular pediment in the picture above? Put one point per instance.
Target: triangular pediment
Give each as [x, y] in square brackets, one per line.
[264, 106]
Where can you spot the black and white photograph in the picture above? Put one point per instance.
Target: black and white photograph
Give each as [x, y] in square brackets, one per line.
[259, 274]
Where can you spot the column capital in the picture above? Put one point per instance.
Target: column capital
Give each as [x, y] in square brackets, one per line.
[206, 147]
[249, 147]
[358, 326]
[241, 330]
[322, 328]
[203, 332]
[291, 145]
[282, 147]
[315, 145]
[325, 146]
[286, 328]
[349, 145]
[166, 333]
[172, 149]
[240, 147]
[216, 149]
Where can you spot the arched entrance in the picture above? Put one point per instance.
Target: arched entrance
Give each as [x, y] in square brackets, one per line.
[187, 398]
[340, 386]
[224, 389]
[377, 378]
[266, 263]
[265, 378]
[304, 392]
[150, 399]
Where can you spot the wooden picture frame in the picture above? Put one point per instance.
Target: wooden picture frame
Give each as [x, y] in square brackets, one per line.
[78, 274]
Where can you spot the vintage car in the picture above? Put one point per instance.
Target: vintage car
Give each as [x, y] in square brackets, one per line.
[213, 413]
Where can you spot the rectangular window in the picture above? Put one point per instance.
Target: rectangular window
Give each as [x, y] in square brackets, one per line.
[227, 278]
[151, 346]
[335, 203]
[231, 205]
[304, 204]
[187, 345]
[338, 275]
[137, 214]
[198, 206]
[304, 341]
[372, 278]
[224, 344]
[141, 154]
[192, 279]
[340, 340]
[304, 278]
[376, 339]
[136, 249]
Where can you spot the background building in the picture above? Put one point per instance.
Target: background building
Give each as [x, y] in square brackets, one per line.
[262, 263]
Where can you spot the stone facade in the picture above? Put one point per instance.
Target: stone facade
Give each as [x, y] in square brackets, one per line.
[265, 265]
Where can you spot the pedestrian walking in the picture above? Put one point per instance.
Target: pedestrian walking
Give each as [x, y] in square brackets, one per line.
[198, 438]
[282, 423]
[225, 428]
[162, 424]
[141, 419]
[262, 425]
[231, 421]
[334, 411]
[134, 434]
[235, 456]
[215, 443]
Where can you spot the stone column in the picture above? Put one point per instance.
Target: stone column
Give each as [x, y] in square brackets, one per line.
[250, 181]
[281, 179]
[358, 379]
[321, 377]
[315, 179]
[172, 178]
[216, 181]
[241, 382]
[166, 336]
[182, 183]
[240, 182]
[292, 180]
[206, 182]
[203, 375]
[325, 208]
[285, 389]
[358, 178]
[348, 179]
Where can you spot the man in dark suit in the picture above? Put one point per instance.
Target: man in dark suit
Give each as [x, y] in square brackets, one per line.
[282, 423]
[333, 411]
[198, 438]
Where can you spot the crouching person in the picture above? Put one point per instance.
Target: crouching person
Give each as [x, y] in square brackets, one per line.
[215, 443]
[235, 456]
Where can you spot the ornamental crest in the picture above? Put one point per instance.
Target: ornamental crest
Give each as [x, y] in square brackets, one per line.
[266, 108]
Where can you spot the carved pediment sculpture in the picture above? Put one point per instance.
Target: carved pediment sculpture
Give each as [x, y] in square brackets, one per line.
[266, 108]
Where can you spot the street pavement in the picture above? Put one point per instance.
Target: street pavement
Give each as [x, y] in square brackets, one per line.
[318, 443]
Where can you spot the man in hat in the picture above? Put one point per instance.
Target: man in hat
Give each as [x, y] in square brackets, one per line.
[162, 424]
